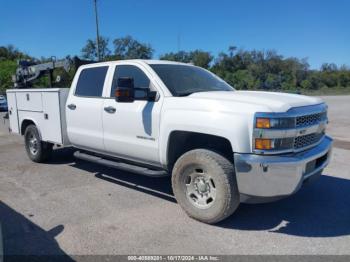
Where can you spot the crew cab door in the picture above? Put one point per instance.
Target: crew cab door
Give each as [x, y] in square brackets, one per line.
[131, 130]
[84, 109]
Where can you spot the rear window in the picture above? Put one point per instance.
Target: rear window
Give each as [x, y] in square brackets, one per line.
[91, 81]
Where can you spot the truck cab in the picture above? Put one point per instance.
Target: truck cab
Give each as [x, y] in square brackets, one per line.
[220, 146]
[128, 130]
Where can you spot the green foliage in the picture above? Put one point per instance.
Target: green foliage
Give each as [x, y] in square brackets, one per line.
[89, 51]
[247, 70]
[241, 79]
[129, 48]
[124, 48]
[7, 69]
[8, 64]
[306, 84]
[11, 53]
[268, 70]
[180, 56]
[343, 79]
[197, 57]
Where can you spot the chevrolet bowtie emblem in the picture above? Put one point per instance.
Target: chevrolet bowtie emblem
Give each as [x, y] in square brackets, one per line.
[302, 131]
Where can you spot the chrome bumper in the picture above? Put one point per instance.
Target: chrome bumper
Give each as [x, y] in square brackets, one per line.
[275, 176]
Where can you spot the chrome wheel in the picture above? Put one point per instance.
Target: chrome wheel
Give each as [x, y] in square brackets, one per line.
[37, 150]
[200, 188]
[33, 144]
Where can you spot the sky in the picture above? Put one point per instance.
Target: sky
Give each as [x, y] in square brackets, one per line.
[315, 29]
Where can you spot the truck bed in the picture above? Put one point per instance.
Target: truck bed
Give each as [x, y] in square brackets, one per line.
[45, 107]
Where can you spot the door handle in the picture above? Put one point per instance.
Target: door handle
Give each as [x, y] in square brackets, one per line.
[110, 109]
[72, 106]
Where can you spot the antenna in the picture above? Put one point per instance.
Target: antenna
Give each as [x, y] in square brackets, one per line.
[97, 33]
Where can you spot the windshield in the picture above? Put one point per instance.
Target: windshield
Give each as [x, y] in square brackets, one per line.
[183, 80]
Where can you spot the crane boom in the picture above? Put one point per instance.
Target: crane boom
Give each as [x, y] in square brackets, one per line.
[28, 71]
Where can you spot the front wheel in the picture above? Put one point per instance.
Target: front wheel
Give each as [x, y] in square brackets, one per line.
[37, 150]
[205, 186]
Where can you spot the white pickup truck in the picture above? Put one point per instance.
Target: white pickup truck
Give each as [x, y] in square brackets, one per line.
[221, 146]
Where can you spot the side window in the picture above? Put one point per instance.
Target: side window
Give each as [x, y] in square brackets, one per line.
[91, 81]
[140, 78]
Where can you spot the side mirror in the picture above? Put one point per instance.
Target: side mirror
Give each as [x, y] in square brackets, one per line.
[127, 93]
[125, 90]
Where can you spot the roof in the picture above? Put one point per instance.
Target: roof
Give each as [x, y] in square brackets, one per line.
[146, 61]
[151, 62]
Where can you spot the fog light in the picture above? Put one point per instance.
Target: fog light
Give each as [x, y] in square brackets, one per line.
[263, 144]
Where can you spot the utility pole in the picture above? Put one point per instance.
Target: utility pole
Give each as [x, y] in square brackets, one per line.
[97, 33]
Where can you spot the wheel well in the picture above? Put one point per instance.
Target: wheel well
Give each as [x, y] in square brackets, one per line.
[25, 124]
[183, 141]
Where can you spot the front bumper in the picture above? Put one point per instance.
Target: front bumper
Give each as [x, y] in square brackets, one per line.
[267, 176]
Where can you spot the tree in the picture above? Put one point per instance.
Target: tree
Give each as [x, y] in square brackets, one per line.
[243, 69]
[11, 53]
[243, 79]
[129, 48]
[315, 80]
[7, 69]
[89, 51]
[197, 57]
[232, 50]
[201, 58]
[181, 56]
[306, 84]
[344, 79]
[326, 67]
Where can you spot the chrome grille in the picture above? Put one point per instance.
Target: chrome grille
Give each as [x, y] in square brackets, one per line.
[309, 120]
[307, 140]
[293, 131]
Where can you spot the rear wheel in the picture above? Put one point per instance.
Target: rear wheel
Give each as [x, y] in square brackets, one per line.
[37, 150]
[205, 186]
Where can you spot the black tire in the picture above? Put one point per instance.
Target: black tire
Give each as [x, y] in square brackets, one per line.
[43, 150]
[210, 173]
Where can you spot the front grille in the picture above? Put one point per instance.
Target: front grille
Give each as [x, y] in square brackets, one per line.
[307, 140]
[310, 120]
[287, 128]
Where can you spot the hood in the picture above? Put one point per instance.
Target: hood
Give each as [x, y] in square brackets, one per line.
[277, 102]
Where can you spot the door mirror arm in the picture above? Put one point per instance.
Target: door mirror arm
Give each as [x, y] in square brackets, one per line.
[152, 96]
[145, 94]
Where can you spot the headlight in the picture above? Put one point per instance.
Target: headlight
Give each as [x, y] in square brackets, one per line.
[264, 122]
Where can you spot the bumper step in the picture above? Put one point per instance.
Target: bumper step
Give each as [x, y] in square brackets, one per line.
[120, 165]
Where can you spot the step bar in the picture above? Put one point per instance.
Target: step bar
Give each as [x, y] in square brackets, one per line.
[120, 165]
